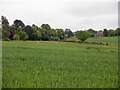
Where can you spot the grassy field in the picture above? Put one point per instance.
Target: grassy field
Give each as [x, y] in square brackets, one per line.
[111, 40]
[50, 64]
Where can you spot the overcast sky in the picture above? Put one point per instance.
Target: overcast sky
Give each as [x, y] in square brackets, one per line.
[73, 14]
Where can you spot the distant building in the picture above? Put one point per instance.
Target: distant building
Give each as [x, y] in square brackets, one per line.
[99, 34]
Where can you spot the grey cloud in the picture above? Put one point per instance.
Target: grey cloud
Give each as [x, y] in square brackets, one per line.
[62, 13]
[90, 9]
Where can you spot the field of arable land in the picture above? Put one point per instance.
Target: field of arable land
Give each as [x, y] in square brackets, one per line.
[52, 64]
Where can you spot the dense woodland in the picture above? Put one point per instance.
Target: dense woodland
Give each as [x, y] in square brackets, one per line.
[19, 31]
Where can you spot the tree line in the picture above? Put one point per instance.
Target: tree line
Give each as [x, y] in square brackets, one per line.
[19, 31]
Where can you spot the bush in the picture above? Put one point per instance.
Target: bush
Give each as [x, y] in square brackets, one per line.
[82, 35]
[22, 35]
[54, 39]
[45, 37]
[16, 37]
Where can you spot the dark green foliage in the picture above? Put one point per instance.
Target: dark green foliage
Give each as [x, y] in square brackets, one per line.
[22, 35]
[18, 24]
[68, 33]
[45, 32]
[51, 34]
[92, 32]
[117, 32]
[45, 35]
[61, 34]
[54, 39]
[16, 37]
[105, 33]
[45, 26]
[5, 28]
[82, 35]
[111, 32]
[12, 32]
[28, 29]
[36, 33]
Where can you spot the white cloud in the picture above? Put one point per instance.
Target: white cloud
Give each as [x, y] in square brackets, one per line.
[73, 14]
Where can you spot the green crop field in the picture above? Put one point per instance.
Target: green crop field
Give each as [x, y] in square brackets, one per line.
[47, 64]
[111, 40]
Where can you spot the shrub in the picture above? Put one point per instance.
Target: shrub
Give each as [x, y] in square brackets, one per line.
[16, 37]
[54, 39]
[82, 35]
[22, 35]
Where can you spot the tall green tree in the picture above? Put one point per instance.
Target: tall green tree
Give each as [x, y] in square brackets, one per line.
[82, 35]
[46, 31]
[16, 37]
[68, 33]
[22, 35]
[36, 32]
[12, 32]
[60, 33]
[111, 32]
[18, 24]
[45, 35]
[53, 33]
[45, 26]
[5, 28]
[28, 29]
[117, 32]
[105, 33]
[92, 32]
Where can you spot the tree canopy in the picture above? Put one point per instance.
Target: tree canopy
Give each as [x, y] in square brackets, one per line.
[19, 31]
[5, 28]
[105, 32]
[82, 35]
